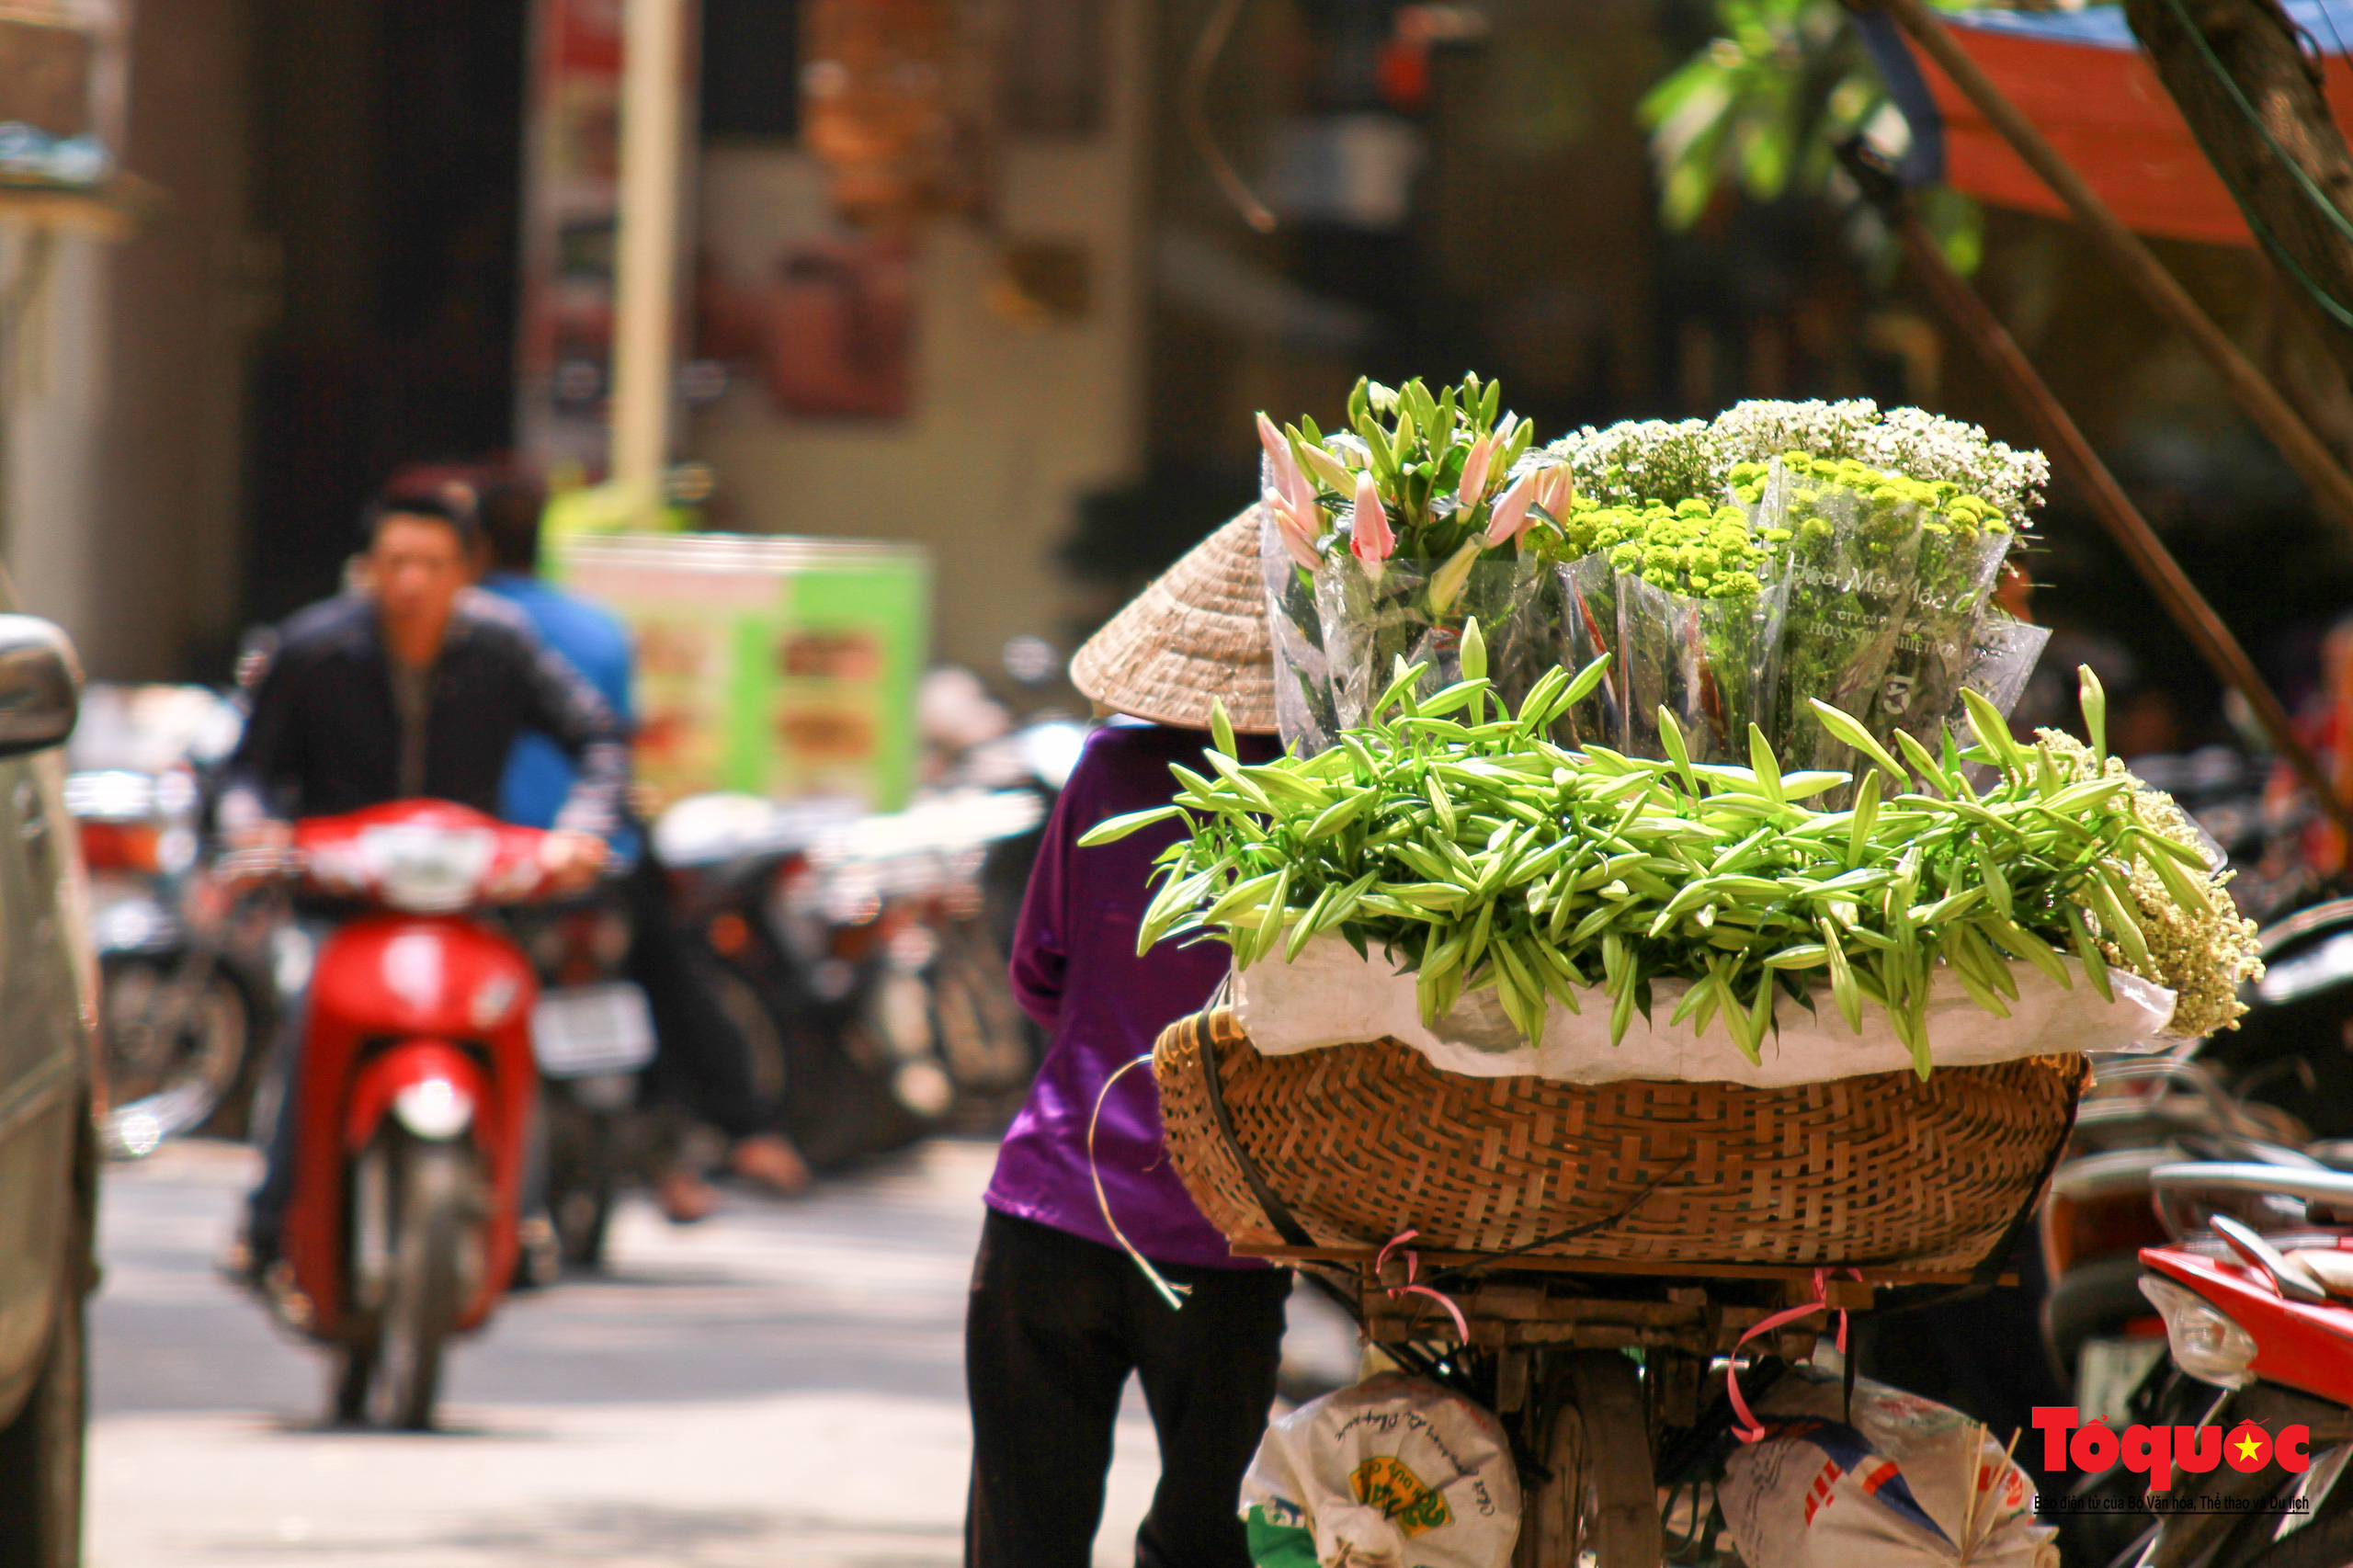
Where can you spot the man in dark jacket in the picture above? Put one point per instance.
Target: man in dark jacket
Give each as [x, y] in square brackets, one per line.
[415, 686]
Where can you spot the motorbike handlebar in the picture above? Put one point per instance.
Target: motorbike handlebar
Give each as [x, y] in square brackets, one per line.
[2331, 1189]
[260, 863]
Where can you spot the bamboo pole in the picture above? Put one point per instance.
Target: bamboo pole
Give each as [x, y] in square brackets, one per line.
[2074, 454]
[2305, 452]
[645, 306]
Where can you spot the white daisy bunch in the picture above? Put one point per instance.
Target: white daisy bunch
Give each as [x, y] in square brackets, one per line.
[1645, 459]
[1656, 459]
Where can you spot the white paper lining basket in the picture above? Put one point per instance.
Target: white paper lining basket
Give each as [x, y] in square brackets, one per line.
[1331, 996]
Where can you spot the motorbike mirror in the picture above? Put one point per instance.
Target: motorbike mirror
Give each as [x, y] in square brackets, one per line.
[41, 685]
[2294, 1281]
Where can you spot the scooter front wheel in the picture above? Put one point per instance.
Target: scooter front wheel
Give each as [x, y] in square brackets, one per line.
[424, 1295]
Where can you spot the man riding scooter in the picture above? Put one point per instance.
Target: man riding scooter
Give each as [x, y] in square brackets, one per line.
[415, 688]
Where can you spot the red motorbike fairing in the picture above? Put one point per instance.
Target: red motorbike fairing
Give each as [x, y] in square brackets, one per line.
[2303, 1346]
[385, 1074]
[392, 986]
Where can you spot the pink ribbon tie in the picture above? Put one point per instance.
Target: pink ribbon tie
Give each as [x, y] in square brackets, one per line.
[1414, 1267]
[1749, 1429]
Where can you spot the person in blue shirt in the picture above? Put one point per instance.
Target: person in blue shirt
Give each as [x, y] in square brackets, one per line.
[702, 1062]
[539, 775]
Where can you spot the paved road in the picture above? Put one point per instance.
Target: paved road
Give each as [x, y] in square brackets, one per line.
[779, 1386]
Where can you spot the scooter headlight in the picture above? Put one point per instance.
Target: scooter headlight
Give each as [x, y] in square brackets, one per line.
[428, 870]
[435, 1110]
[2206, 1342]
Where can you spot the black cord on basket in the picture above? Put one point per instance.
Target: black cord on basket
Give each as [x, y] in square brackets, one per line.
[1489, 1260]
[1278, 1212]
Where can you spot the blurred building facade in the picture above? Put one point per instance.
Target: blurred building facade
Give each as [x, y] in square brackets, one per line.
[1045, 372]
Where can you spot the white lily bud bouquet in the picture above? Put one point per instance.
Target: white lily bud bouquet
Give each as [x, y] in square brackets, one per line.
[1384, 540]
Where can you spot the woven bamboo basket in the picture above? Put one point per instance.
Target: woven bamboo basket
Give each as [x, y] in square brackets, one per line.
[1361, 1141]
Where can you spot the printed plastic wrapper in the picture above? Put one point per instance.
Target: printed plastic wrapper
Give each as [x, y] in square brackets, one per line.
[1708, 661]
[1409, 611]
[1900, 1481]
[2003, 652]
[1303, 713]
[1393, 1472]
[1865, 607]
[1330, 995]
[1935, 646]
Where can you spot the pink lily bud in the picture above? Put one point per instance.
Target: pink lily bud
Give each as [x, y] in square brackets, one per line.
[1474, 488]
[1284, 465]
[1511, 516]
[1369, 539]
[1301, 551]
[1556, 490]
[1278, 449]
[1299, 530]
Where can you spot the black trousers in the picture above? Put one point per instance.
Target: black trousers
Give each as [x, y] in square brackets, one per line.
[700, 1063]
[1055, 1325]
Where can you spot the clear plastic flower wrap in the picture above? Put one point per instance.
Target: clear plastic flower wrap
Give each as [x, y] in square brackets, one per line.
[1734, 571]
[1588, 630]
[1304, 712]
[1849, 569]
[2003, 651]
[1709, 661]
[1416, 610]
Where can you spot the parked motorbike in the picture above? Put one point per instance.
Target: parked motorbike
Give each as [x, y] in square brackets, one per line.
[189, 968]
[972, 742]
[413, 1102]
[188, 971]
[853, 953]
[2255, 1292]
[2278, 1090]
[2142, 1114]
[592, 1035]
[2271, 1092]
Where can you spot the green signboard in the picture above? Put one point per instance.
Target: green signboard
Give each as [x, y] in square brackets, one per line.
[783, 667]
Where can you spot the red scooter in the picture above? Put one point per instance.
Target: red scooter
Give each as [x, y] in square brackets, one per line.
[413, 1097]
[2259, 1315]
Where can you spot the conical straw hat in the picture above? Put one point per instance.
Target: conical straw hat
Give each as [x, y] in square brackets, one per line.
[1198, 632]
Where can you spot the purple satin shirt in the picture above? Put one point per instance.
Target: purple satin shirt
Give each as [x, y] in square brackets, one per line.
[1075, 970]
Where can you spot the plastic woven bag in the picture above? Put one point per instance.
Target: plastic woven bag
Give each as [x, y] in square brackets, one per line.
[1902, 1483]
[1393, 1472]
